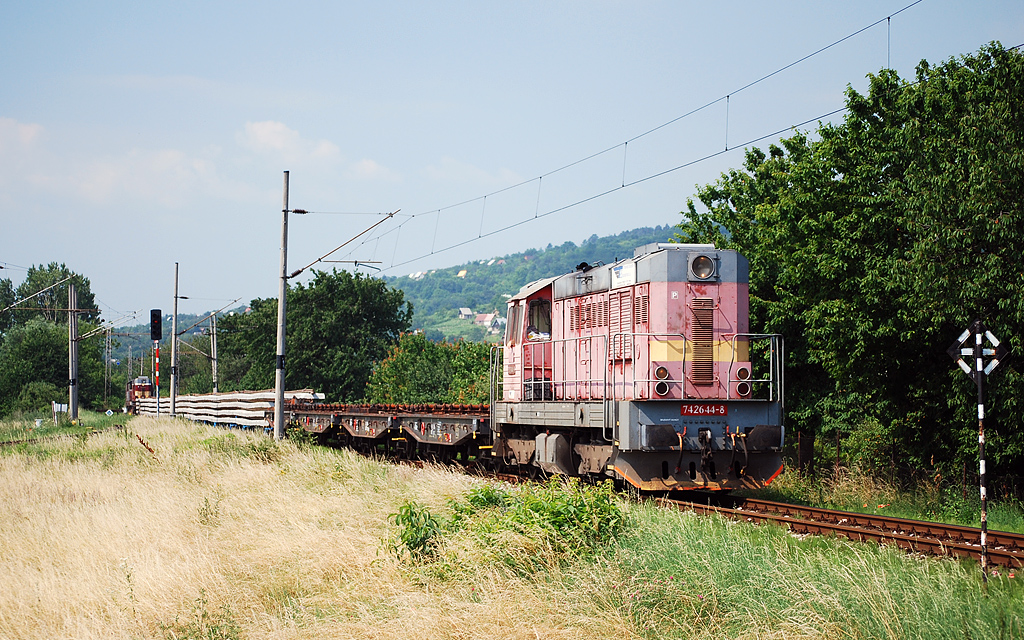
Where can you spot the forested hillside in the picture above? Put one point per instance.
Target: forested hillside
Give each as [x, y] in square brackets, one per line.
[437, 295]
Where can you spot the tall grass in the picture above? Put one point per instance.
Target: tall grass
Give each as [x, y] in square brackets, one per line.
[683, 575]
[172, 530]
[853, 490]
[22, 426]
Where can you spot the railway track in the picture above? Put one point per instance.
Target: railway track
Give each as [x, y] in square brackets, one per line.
[1003, 548]
[59, 436]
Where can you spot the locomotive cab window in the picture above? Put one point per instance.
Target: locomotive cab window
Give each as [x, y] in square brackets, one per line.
[539, 320]
[515, 312]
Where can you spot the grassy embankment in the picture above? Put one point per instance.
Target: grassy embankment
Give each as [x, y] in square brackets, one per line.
[218, 534]
[848, 490]
[24, 426]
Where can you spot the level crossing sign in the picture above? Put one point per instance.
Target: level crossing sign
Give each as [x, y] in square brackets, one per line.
[983, 359]
[971, 345]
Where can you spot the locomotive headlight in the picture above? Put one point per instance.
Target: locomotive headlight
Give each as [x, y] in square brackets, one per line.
[702, 267]
[661, 374]
[743, 387]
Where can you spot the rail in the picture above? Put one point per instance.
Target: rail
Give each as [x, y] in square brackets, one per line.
[936, 538]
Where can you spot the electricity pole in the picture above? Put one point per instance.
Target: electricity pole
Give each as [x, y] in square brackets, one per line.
[213, 348]
[282, 292]
[72, 352]
[174, 343]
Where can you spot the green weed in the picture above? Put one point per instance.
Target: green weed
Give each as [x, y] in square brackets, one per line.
[202, 624]
[526, 528]
[301, 437]
[209, 511]
[419, 531]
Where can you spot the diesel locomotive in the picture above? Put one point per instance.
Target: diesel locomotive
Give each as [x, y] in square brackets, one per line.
[644, 371]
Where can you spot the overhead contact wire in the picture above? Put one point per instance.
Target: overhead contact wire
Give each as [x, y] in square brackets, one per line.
[624, 184]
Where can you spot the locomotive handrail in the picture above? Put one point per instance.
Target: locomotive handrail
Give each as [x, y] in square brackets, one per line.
[611, 406]
[564, 383]
[658, 336]
[495, 367]
[775, 380]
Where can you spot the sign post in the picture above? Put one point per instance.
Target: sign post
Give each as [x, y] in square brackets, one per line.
[977, 352]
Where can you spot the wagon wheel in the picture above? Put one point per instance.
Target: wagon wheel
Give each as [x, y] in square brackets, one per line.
[535, 473]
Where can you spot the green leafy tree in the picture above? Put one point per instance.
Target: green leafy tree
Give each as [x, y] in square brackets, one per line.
[874, 245]
[38, 395]
[49, 305]
[417, 370]
[7, 298]
[338, 326]
[37, 352]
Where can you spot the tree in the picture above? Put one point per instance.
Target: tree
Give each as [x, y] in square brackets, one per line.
[50, 303]
[873, 246]
[338, 326]
[37, 352]
[417, 370]
[7, 298]
[36, 396]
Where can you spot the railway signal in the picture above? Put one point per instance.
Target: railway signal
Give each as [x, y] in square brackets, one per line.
[155, 334]
[983, 361]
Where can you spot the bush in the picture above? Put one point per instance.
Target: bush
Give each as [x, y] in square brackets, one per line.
[527, 527]
[37, 395]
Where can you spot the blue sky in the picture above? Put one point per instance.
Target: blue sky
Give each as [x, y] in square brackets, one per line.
[137, 135]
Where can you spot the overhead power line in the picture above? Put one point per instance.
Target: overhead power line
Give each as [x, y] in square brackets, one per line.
[396, 229]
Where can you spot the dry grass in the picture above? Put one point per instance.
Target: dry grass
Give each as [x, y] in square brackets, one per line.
[220, 534]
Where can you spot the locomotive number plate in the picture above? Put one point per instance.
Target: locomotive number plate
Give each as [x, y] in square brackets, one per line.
[704, 410]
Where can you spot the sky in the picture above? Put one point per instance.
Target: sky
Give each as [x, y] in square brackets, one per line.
[137, 135]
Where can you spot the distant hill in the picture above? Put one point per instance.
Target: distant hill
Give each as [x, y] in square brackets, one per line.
[437, 295]
[485, 285]
[137, 336]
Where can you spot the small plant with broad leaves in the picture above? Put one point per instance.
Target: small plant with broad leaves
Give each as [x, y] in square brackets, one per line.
[418, 531]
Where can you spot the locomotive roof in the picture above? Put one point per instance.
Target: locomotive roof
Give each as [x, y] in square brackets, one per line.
[533, 287]
[655, 262]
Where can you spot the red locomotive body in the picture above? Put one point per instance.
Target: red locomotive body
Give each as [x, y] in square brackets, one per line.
[140, 387]
[641, 369]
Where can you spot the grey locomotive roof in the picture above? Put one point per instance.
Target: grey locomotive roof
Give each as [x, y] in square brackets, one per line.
[533, 287]
[655, 262]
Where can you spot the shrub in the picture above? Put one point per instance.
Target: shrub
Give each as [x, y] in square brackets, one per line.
[38, 395]
[525, 527]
